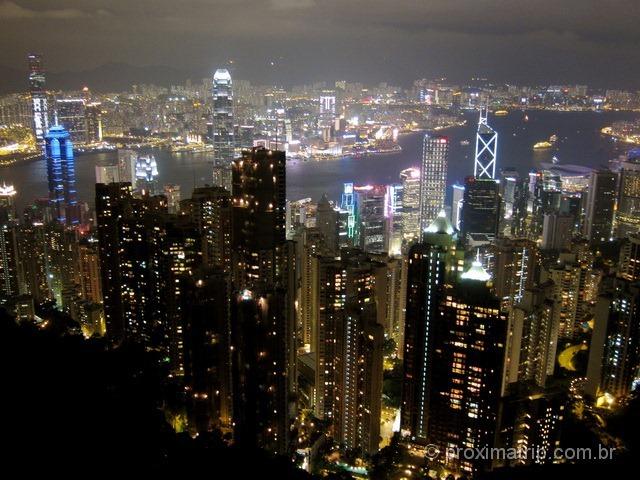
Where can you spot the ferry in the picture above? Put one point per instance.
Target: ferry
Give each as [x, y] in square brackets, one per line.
[546, 144]
[501, 113]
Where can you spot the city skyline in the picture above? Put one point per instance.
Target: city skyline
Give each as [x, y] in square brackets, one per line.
[334, 280]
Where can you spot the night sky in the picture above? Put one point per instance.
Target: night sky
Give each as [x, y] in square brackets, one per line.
[524, 41]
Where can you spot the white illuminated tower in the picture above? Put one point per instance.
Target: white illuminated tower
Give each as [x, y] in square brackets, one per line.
[486, 149]
[223, 137]
[433, 178]
[38, 97]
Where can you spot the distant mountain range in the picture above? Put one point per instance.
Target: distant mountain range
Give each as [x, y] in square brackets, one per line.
[110, 77]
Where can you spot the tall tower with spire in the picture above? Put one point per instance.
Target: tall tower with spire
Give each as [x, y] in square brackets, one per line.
[486, 148]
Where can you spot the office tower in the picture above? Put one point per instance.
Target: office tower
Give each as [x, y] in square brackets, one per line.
[514, 192]
[457, 201]
[516, 267]
[146, 175]
[263, 312]
[575, 288]
[127, 166]
[327, 223]
[93, 122]
[601, 200]
[206, 344]
[486, 148]
[10, 278]
[433, 177]
[349, 349]
[371, 213]
[629, 264]
[466, 370]
[244, 136]
[107, 173]
[557, 230]
[432, 263]
[327, 112]
[481, 207]
[533, 337]
[38, 97]
[349, 204]
[614, 355]
[88, 271]
[209, 208]
[410, 179]
[61, 175]
[172, 193]
[222, 121]
[627, 216]
[393, 225]
[70, 114]
[299, 213]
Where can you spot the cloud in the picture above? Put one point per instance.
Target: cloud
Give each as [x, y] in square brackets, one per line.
[292, 4]
[12, 11]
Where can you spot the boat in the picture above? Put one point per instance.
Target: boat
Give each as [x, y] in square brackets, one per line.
[501, 113]
[546, 144]
[542, 145]
[464, 142]
[526, 118]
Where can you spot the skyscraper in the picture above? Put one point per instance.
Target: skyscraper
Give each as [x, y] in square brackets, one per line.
[61, 175]
[9, 263]
[263, 309]
[601, 200]
[70, 113]
[38, 97]
[410, 178]
[466, 371]
[486, 148]
[222, 123]
[614, 355]
[432, 263]
[348, 348]
[481, 207]
[628, 212]
[147, 175]
[433, 177]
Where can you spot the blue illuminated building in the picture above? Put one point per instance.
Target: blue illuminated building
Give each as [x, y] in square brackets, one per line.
[61, 175]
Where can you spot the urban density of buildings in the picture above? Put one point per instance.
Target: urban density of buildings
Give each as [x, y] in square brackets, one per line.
[401, 328]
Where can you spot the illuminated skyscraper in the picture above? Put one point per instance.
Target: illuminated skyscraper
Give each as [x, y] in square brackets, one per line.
[628, 213]
[481, 207]
[38, 97]
[371, 213]
[410, 178]
[222, 123]
[601, 199]
[486, 148]
[433, 177]
[263, 314]
[466, 371]
[61, 175]
[71, 115]
[147, 175]
[614, 354]
[348, 347]
[9, 281]
[434, 262]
